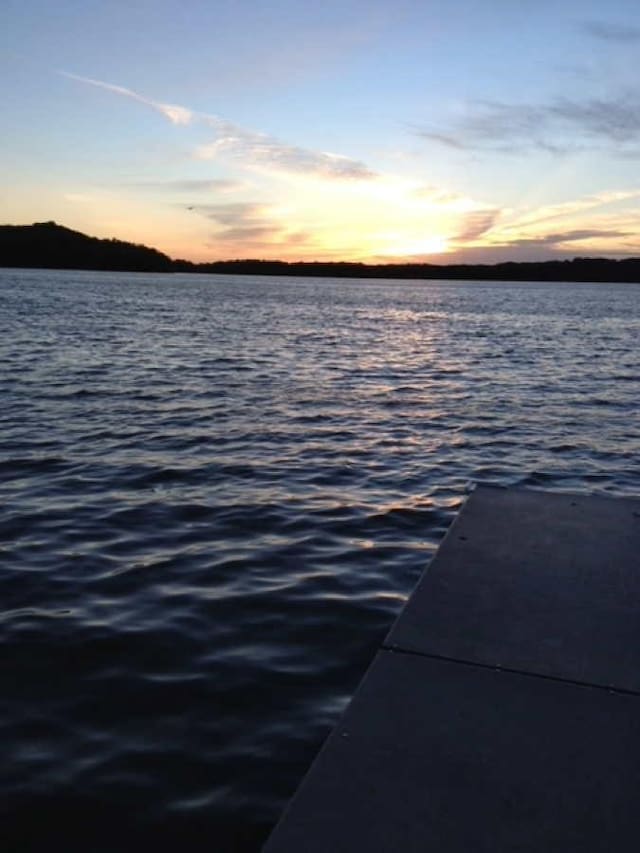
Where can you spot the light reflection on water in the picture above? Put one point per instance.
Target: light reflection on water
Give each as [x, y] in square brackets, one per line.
[215, 495]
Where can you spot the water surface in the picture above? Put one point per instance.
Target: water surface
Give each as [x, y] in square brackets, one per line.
[217, 492]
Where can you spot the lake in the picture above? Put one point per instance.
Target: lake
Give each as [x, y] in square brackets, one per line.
[217, 492]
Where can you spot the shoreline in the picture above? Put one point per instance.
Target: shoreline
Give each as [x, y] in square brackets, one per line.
[47, 245]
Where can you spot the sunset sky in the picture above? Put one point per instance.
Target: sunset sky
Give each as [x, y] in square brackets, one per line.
[467, 130]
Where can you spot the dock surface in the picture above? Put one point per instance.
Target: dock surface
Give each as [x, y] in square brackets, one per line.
[502, 713]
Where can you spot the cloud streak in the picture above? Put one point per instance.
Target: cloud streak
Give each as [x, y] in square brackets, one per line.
[252, 229]
[176, 114]
[270, 153]
[570, 209]
[577, 226]
[561, 237]
[476, 224]
[234, 213]
[204, 185]
[612, 32]
[250, 147]
[562, 126]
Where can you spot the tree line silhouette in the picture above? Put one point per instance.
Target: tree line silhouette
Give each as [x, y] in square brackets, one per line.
[47, 245]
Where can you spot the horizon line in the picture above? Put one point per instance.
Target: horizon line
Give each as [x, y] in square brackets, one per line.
[369, 264]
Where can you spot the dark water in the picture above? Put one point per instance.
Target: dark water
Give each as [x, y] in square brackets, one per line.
[217, 493]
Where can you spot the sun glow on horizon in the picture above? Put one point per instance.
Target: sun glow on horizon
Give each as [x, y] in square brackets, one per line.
[435, 244]
[316, 218]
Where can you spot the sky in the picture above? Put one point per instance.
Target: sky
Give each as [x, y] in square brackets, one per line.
[414, 130]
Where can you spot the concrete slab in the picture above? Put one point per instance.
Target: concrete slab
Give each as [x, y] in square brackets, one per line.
[536, 582]
[503, 713]
[439, 756]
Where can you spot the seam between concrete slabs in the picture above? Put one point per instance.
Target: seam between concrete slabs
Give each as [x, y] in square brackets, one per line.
[608, 688]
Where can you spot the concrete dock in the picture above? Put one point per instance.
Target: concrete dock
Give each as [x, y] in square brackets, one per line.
[502, 713]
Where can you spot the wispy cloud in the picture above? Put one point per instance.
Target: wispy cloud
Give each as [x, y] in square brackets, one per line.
[615, 119]
[562, 126]
[476, 224]
[436, 195]
[250, 147]
[611, 31]
[233, 213]
[176, 114]
[270, 153]
[447, 139]
[252, 229]
[577, 226]
[561, 237]
[579, 206]
[213, 185]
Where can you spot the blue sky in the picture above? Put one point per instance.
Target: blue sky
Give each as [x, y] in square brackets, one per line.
[442, 131]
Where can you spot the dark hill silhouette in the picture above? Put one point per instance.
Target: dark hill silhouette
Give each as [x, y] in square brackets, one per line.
[50, 246]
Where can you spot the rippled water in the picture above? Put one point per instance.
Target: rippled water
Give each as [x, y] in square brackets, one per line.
[216, 494]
